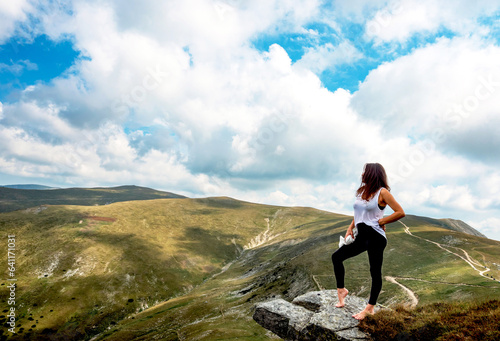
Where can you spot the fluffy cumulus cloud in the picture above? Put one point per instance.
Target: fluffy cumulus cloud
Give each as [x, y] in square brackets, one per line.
[327, 56]
[178, 96]
[455, 102]
[399, 20]
[11, 13]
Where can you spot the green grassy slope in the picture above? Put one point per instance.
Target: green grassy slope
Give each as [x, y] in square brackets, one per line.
[193, 269]
[84, 268]
[12, 199]
[299, 261]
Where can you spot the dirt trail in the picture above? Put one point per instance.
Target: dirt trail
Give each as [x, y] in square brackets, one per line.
[411, 294]
[318, 284]
[437, 282]
[468, 259]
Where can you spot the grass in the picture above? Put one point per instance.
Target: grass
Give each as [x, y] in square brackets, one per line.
[75, 260]
[152, 269]
[283, 271]
[437, 321]
[12, 199]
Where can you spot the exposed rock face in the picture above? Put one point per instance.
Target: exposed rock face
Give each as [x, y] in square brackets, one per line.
[312, 316]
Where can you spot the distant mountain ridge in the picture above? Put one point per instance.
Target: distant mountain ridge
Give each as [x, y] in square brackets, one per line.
[12, 199]
[452, 224]
[460, 226]
[28, 186]
[22, 196]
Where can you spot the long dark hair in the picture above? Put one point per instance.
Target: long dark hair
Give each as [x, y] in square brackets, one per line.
[373, 178]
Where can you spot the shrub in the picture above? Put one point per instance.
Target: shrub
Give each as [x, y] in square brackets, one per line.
[438, 321]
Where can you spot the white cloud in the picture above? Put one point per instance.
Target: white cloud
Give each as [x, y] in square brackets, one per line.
[104, 157]
[456, 197]
[216, 101]
[279, 150]
[38, 121]
[443, 93]
[319, 58]
[210, 28]
[356, 9]
[18, 67]
[300, 192]
[401, 19]
[279, 198]
[489, 227]
[12, 12]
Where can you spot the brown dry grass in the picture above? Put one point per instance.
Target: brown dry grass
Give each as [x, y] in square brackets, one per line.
[438, 321]
[101, 218]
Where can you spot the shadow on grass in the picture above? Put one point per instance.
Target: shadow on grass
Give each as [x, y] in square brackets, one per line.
[214, 245]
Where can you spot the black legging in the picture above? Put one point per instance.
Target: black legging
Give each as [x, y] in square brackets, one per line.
[367, 240]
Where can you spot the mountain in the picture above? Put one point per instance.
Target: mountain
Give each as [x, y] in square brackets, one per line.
[193, 269]
[460, 226]
[12, 199]
[28, 186]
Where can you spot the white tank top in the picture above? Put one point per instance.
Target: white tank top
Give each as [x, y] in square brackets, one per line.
[368, 212]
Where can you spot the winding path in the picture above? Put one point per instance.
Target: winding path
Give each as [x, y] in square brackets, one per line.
[468, 259]
[318, 284]
[413, 296]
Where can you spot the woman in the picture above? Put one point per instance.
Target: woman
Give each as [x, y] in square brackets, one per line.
[371, 199]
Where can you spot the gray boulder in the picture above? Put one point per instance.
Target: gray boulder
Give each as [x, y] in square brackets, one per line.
[312, 316]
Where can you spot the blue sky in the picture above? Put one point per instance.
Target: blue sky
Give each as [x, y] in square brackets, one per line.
[24, 63]
[277, 102]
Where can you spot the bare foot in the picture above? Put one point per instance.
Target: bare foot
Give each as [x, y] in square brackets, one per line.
[369, 310]
[341, 293]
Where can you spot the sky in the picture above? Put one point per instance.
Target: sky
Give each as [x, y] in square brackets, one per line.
[271, 101]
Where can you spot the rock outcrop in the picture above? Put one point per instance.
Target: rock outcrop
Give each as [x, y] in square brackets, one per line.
[312, 316]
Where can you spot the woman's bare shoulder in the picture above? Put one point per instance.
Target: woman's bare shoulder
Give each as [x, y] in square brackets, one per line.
[384, 193]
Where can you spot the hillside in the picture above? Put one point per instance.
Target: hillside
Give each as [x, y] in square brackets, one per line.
[28, 186]
[12, 199]
[460, 226]
[193, 269]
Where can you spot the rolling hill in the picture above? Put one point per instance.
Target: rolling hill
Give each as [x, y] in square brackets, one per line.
[192, 269]
[28, 186]
[460, 226]
[17, 198]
